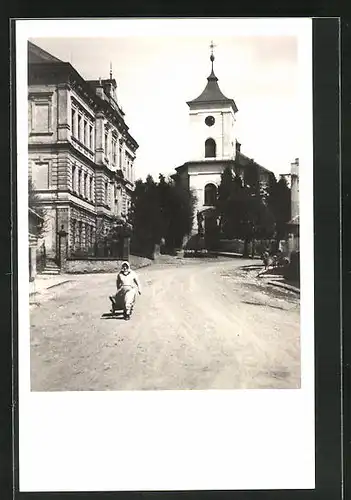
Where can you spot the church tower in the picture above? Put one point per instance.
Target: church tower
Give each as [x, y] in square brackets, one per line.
[213, 144]
[213, 147]
[212, 122]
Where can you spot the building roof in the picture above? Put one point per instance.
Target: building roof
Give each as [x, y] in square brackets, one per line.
[212, 93]
[109, 87]
[203, 162]
[241, 161]
[37, 55]
[46, 67]
[245, 160]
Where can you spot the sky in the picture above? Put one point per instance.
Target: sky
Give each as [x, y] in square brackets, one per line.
[156, 75]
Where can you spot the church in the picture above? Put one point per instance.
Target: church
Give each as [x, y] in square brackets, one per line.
[213, 147]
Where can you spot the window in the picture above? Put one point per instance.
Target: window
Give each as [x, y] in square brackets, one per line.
[79, 190]
[73, 235]
[42, 117]
[90, 136]
[131, 171]
[120, 157]
[85, 185]
[210, 148]
[91, 188]
[40, 112]
[85, 132]
[210, 194]
[73, 131]
[106, 193]
[106, 144]
[80, 128]
[114, 151]
[40, 175]
[80, 227]
[83, 235]
[73, 177]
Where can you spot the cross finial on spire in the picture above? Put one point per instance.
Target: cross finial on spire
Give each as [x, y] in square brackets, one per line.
[212, 46]
[110, 70]
[212, 57]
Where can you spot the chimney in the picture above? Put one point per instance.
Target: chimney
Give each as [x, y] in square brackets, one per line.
[100, 89]
[237, 146]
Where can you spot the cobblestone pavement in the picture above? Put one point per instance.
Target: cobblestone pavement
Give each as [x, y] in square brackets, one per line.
[199, 324]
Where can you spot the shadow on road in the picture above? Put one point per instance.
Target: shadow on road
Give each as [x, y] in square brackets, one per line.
[253, 267]
[110, 315]
[262, 304]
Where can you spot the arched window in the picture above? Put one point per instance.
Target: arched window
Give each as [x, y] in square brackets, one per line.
[210, 194]
[210, 148]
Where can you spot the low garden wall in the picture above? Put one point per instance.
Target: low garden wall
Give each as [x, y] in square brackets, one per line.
[102, 264]
[235, 246]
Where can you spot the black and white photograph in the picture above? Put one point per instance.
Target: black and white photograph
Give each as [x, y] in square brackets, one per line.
[163, 167]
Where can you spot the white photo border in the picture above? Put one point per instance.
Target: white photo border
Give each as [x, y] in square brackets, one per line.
[168, 440]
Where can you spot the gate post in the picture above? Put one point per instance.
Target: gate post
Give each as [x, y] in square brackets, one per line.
[126, 248]
[62, 234]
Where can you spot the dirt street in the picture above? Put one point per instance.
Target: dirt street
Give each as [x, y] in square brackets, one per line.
[197, 325]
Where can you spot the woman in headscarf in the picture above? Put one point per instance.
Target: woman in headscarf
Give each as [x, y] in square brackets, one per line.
[127, 285]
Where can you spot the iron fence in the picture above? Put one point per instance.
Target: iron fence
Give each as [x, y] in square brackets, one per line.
[41, 258]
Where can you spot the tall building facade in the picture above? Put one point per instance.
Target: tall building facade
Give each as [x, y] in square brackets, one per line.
[81, 153]
[294, 224]
[214, 146]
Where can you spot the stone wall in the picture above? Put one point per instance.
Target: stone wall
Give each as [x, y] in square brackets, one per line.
[102, 265]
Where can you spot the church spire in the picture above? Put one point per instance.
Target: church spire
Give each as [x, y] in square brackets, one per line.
[212, 93]
[212, 58]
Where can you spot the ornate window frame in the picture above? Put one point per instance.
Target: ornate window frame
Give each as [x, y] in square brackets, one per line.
[40, 99]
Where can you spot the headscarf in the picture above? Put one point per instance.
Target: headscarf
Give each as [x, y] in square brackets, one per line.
[125, 264]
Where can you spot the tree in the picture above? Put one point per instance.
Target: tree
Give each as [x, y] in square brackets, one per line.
[231, 204]
[279, 203]
[162, 210]
[243, 212]
[179, 213]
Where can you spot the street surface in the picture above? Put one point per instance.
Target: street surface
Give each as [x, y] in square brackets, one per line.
[199, 324]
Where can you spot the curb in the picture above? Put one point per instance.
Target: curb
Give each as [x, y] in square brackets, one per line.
[37, 292]
[58, 284]
[284, 285]
[227, 254]
[143, 265]
[234, 255]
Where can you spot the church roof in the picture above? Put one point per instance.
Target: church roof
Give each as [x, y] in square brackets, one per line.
[241, 161]
[212, 93]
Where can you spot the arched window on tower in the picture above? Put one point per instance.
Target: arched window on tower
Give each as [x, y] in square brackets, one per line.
[210, 194]
[210, 148]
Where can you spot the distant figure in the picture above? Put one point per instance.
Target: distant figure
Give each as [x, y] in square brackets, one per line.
[127, 285]
[267, 259]
[200, 224]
